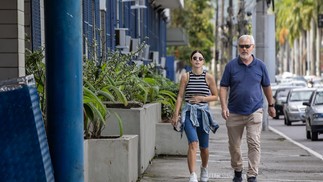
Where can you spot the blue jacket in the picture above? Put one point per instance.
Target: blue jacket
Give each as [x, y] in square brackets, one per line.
[208, 122]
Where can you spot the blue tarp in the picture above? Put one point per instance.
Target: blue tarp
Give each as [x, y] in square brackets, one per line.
[24, 151]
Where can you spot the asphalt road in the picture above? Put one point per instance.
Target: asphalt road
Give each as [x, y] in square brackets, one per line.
[297, 133]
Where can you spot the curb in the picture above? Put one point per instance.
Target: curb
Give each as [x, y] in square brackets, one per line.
[296, 143]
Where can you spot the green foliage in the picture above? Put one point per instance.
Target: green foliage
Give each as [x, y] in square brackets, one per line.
[142, 83]
[123, 73]
[97, 88]
[117, 80]
[36, 66]
[195, 18]
[163, 91]
[297, 19]
[94, 114]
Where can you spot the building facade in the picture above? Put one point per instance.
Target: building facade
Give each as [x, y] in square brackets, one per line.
[108, 25]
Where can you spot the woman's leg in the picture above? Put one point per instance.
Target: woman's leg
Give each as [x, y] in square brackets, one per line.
[204, 148]
[203, 138]
[204, 156]
[192, 138]
[191, 156]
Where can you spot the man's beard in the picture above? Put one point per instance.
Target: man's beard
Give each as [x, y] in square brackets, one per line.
[245, 56]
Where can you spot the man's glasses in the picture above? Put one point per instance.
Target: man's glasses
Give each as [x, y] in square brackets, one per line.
[198, 58]
[247, 46]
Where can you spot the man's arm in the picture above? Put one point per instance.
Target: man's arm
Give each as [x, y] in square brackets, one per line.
[223, 100]
[269, 96]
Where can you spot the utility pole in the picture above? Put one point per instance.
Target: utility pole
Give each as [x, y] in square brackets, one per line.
[64, 87]
[265, 46]
[261, 11]
[230, 29]
[222, 58]
[216, 52]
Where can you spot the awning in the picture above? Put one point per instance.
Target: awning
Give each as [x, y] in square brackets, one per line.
[176, 36]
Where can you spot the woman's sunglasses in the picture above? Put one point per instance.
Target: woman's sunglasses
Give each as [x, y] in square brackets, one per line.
[198, 58]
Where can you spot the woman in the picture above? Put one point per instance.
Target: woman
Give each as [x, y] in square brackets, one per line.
[197, 88]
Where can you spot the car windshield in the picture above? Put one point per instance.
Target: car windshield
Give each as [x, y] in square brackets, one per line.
[300, 96]
[282, 93]
[318, 98]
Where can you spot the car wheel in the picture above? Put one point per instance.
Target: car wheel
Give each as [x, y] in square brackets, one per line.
[308, 134]
[285, 120]
[288, 123]
[314, 136]
[276, 117]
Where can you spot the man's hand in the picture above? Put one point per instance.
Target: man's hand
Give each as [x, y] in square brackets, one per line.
[225, 114]
[272, 111]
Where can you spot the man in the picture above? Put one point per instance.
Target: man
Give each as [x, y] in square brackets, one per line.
[246, 77]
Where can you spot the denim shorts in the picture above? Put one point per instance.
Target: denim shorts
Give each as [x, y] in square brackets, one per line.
[196, 134]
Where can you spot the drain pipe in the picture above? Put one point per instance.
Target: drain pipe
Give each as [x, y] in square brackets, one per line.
[63, 33]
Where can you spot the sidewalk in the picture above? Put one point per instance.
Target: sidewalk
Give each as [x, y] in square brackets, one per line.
[281, 161]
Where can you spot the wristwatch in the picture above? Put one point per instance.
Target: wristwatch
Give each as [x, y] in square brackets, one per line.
[270, 105]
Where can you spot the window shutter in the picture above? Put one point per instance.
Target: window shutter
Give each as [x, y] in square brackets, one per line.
[85, 24]
[35, 25]
[97, 28]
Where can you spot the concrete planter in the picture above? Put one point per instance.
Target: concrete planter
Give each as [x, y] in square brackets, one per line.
[111, 159]
[138, 121]
[169, 142]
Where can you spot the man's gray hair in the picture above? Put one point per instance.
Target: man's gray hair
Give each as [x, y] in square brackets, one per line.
[250, 37]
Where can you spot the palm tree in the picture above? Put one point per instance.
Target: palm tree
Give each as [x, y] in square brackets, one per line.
[298, 17]
[282, 32]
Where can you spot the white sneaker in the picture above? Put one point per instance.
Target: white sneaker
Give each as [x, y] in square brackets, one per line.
[193, 177]
[204, 174]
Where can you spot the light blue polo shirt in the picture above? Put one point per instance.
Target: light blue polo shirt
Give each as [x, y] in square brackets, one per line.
[245, 85]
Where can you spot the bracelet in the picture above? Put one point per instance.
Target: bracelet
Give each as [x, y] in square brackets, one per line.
[270, 105]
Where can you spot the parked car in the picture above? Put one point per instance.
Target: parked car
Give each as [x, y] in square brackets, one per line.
[294, 83]
[274, 88]
[294, 110]
[314, 115]
[280, 97]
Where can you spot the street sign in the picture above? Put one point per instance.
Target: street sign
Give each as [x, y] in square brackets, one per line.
[320, 21]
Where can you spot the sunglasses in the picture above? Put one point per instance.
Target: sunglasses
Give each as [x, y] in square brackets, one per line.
[198, 58]
[247, 46]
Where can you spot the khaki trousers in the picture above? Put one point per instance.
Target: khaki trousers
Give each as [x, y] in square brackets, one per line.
[235, 126]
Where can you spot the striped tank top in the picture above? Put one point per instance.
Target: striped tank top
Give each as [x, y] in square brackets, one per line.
[196, 86]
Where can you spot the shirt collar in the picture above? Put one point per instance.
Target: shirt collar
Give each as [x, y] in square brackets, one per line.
[252, 62]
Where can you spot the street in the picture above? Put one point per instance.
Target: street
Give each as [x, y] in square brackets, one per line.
[281, 160]
[296, 132]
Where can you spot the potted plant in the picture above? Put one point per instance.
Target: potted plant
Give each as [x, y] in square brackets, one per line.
[102, 153]
[106, 153]
[150, 99]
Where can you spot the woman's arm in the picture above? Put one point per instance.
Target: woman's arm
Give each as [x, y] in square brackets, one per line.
[213, 88]
[180, 96]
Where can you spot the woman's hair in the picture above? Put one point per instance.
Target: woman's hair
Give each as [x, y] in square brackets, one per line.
[195, 51]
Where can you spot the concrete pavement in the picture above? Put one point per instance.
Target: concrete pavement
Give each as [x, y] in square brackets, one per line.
[281, 161]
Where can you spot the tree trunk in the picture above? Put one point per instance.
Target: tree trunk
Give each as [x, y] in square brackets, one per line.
[312, 48]
[308, 48]
[318, 51]
[296, 57]
[301, 61]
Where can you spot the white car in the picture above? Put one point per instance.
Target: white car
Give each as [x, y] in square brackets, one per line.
[314, 115]
[293, 109]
